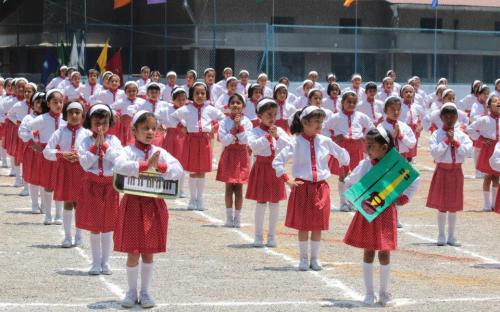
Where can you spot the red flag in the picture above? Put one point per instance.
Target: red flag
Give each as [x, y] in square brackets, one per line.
[114, 65]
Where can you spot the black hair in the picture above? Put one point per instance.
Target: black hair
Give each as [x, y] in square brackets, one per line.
[483, 88]
[92, 71]
[35, 96]
[143, 118]
[113, 75]
[153, 86]
[44, 105]
[448, 110]
[143, 68]
[275, 92]
[193, 72]
[390, 101]
[229, 80]
[6, 82]
[65, 111]
[332, 75]
[239, 96]
[191, 91]
[332, 86]
[345, 95]
[252, 88]
[43, 102]
[283, 79]
[100, 113]
[52, 94]
[174, 96]
[156, 72]
[370, 86]
[59, 71]
[310, 94]
[207, 71]
[490, 99]
[266, 106]
[297, 126]
[375, 135]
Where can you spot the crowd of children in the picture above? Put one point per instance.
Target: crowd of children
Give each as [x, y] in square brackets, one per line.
[65, 144]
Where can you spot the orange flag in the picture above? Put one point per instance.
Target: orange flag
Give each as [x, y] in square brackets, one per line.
[120, 3]
[347, 3]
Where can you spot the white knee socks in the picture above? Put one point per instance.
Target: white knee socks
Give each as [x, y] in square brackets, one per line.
[341, 193]
[487, 203]
[193, 188]
[274, 213]
[106, 241]
[441, 226]
[181, 184]
[229, 215]
[146, 276]
[200, 185]
[368, 277]
[4, 156]
[384, 277]
[59, 209]
[95, 246]
[67, 220]
[35, 194]
[47, 203]
[494, 191]
[314, 249]
[259, 219]
[303, 249]
[452, 221]
[132, 274]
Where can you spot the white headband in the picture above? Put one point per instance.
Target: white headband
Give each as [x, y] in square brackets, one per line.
[497, 81]
[97, 106]
[383, 133]
[313, 90]
[144, 68]
[313, 72]
[153, 84]
[407, 87]
[199, 83]
[390, 71]
[50, 92]
[192, 71]
[280, 85]
[357, 76]
[263, 75]
[389, 78]
[230, 79]
[178, 90]
[442, 80]
[226, 69]
[130, 83]
[330, 76]
[35, 88]
[75, 105]
[64, 67]
[445, 92]
[349, 92]
[73, 74]
[307, 81]
[244, 71]
[171, 73]
[308, 110]
[449, 104]
[208, 70]
[138, 115]
[391, 98]
[263, 102]
[21, 79]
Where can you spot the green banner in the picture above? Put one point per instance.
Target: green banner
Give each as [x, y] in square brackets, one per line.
[382, 185]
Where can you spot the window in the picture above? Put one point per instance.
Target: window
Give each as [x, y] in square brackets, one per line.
[420, 66]
[283, 20]
[348, 22]
[367, 66]
[290, 64]
[491, 68]
[430, 23]
[343, 65]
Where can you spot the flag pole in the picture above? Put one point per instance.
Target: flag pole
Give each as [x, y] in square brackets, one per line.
[356, 40]
[131, 49]
[435, 43]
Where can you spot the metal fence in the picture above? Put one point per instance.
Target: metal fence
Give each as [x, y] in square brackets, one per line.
[278, 50]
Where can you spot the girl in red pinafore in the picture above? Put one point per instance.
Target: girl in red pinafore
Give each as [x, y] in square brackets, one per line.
[381, 234]
[110, 96]
[98, 201]
[449, 146]
[309, 203]
[266, 141]
[44, 126]
[127, 106]
[61, 149]
[153, 104]
[348, 128]
[234, 163]
[197, 116]
[141, 228]
[31, 161]
[486, 130]
[254, 96]
[285, 109]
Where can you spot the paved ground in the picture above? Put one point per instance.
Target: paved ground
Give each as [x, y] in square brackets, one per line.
[212, 268]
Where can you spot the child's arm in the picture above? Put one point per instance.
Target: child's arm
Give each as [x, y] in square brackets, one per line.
[87, 152]
[113, 149]
[227, 136]
[52, 151]
[280, 161]
[215, 114]
[338, 152]
[366, 123]
[437, 147]
[247, 127]
[407, 137]
[169, 166]
[358, 172]
[465, 147]
[495, 158]
[474, 129]
[25, 132]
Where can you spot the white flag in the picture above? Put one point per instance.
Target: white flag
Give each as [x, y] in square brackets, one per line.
[81, 58]
[73, 58]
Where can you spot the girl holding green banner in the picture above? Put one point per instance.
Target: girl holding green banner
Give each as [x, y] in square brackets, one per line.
[381, 233]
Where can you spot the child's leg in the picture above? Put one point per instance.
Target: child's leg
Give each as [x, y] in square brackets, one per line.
[4, 156]
[78, 232]
[46, 203]
[95, 246]
[315, 241]
[368, 257]
[259, 224]
[228, 197]
[35, 194]
[238, 203]
[494, 190]
[146, 272]
[486, 193]
[452, 221]
[181, 185]
[303, 244]
[59, 209]
[67, 222]
[476, 156]
[19, 178]
[384, 258]
[441, 227]
[273, 220]
[106, 241]
[200, 185]
[132, 275]
[193, 188]
[342, 202]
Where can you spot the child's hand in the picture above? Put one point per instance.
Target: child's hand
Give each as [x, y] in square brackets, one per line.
[100, 136]
[338, 138]
[273, 131]
[450, 133]
[396, 132]
[294, 183]
[36, 147]
[69, 156]
[153, 161]
[237, 121]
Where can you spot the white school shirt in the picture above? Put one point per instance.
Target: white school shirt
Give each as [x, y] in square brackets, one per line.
[435, 119]
[142, 83]
[285, 111]
[243, 89]
[90, 91]
[129, 162]
[107, 97]
[54, 83]
[126, 106]
[163, 114]
[222, 103]
[495, 158]
[267, 92]
[310, 160]
[496, 92]
[63, 140]
[446, 152]
[7, 105]
[216, 92]
[88, 154]
[300, 89]
[197, 119]
[408, 139]
[353, 127]
[478, 110]
[149, 105]
[301, 102]
[223, 84]
[228, 137]
[186, 88]
[46, 125]
[465, 104]
[166, 94]
[374, 110]
[25, 132]
[250, 110]
[382, 95]
[333, 105]
[485, 126]
[364, 167]
[359, 91]
[18, 111]
[436, 105]
[409, 114]
[262, 144]
[63, 84]
[73, 94]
